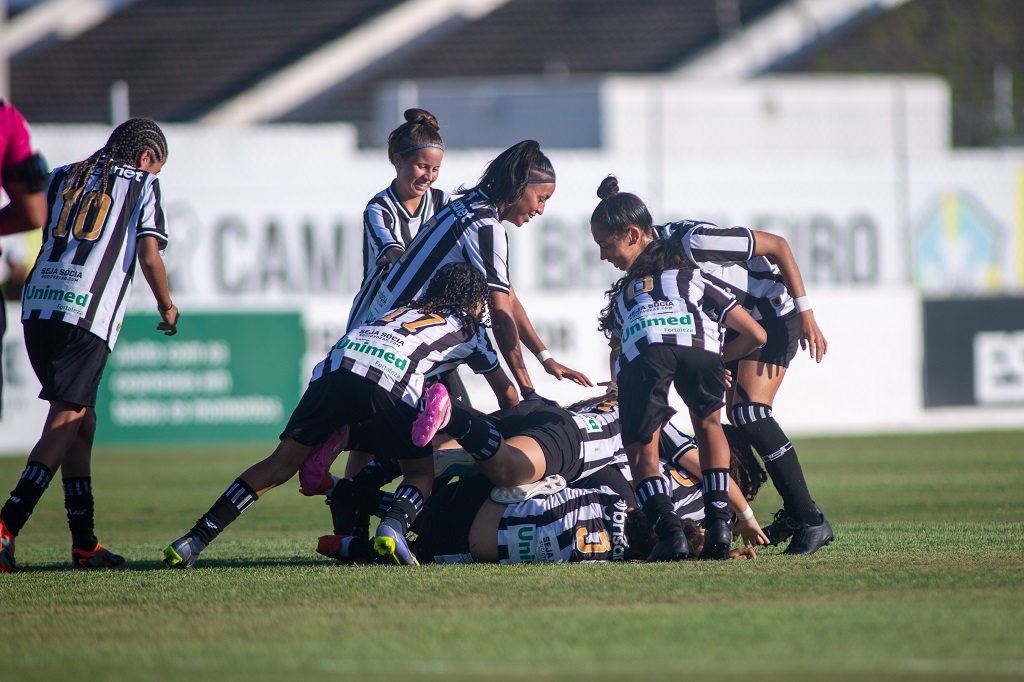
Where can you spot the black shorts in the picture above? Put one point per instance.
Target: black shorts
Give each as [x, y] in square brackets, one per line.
[383, 423]
[447, 519]
[554, 430]
[698, 377]
[781, 346]
[67, 360]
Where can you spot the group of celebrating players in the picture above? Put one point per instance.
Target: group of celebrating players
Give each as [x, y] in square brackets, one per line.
[715, 313]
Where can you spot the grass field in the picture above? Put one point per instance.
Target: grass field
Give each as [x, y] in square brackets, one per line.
[925, 581]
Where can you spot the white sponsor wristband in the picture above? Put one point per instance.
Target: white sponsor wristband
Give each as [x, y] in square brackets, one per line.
[543, 355]
[746, 514]
[803, 304]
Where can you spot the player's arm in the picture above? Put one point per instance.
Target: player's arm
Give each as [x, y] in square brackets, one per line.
[152, 265]
[25, 184]
[529, 337]
[751, 334]
[503, 388]
[506, 335]
[777, 249]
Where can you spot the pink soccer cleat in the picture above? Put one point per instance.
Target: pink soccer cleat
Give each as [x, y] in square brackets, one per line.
[437, 408]
[316, 470]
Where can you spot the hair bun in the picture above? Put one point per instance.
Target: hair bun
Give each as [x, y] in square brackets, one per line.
[608, 188]
[421, 117]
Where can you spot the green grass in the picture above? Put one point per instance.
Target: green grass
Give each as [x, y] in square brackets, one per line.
[924, 581]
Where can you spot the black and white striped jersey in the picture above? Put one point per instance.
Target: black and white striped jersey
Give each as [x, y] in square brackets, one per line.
[675, 307]
[86, 265]
[725, 255]
[403, 349]
[573, 525]
[467, 230]
[600, 434]
[387, 224]
[673, 443]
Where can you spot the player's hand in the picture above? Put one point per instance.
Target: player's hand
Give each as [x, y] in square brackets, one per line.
[811, 337]
[169, 323]
[728, 379]
[742, 553]
[750, 531]
[560, 371]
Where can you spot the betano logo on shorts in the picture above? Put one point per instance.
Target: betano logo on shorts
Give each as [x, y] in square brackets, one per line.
[77, 303]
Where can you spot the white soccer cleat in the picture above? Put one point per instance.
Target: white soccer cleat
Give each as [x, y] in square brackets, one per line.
[520, 493]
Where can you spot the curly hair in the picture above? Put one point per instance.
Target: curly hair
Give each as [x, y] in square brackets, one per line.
[640, 535]
[457, 289]
[659, 256]
[744, 466]
[125, 145]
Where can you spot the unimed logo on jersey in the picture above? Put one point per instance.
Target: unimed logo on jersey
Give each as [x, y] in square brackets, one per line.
[381, 357]
[652, 316]
[63, 300]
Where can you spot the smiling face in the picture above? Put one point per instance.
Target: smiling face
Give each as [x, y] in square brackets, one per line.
[532, 203]
[416, 172]
[619, 250]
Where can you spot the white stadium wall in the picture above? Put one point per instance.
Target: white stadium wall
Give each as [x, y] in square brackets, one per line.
[856, 174]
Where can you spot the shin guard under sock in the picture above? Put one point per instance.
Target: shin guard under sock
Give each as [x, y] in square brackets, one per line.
[79, 505]
[476, 434]
[30, 487]
[779, 456]
[405, 507]
[228, 507]
[652, 495]
[715, 486]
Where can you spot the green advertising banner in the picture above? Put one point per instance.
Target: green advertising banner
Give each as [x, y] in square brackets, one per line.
[224, 377]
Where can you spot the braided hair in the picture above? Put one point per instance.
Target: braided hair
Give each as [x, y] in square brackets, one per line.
[125, 146]
[456, 289]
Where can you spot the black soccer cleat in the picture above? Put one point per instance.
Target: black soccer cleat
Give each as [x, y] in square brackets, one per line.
[781, 528]
[674, 548]
[717, 539]
[809, 538]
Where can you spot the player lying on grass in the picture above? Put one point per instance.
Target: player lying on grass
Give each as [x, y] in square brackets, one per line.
[573, 443]
[374, 377]
[594, 519]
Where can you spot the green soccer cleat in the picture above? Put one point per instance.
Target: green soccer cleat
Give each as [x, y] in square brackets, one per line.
[390, 543]
[183, 552]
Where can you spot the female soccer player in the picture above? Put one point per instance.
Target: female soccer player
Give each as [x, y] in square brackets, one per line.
[106, 213]
[666, 318]
[373, 377]
[515, 187]
[759, 268]
[394, 215]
